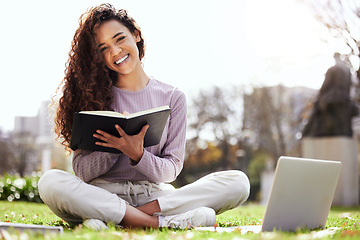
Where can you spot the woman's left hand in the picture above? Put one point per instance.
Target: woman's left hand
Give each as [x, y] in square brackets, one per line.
[131, 146]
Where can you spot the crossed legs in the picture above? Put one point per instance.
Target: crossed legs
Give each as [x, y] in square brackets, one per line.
[74, 201]
[140, 217]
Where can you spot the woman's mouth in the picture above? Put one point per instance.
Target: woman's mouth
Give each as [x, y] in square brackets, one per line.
[121, 60]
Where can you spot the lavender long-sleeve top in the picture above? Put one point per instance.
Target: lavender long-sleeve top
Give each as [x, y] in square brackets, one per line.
[159, 163]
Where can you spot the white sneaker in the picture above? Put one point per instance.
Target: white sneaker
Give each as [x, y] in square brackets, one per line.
[202, 216]
[95, 224]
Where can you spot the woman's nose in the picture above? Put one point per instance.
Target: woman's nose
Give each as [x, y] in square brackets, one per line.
[115, 50]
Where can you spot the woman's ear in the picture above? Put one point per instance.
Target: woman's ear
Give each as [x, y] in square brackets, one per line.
[137, 36]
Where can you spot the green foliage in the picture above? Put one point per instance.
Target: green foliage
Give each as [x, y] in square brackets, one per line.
[14, 188]
[256, 166]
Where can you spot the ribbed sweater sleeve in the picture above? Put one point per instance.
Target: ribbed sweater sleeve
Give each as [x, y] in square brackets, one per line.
[89, 165]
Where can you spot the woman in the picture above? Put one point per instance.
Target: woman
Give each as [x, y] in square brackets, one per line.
[131, 189]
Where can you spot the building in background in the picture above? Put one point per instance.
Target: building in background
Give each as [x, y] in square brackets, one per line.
[34, 142]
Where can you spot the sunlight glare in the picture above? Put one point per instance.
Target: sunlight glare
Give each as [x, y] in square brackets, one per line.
[276, 32]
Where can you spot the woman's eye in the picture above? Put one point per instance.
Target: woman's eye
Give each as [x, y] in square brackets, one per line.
[120, 39]
[103, 49]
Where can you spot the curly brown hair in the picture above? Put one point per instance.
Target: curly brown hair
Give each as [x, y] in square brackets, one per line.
[87, 84]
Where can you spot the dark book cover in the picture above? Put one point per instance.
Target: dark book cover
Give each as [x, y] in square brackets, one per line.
[86, 123]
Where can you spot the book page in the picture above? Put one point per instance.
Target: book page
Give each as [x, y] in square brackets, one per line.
[158, 109]
[119, 115]
[104, 113]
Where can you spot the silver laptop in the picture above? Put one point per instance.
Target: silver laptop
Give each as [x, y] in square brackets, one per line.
[301, 196]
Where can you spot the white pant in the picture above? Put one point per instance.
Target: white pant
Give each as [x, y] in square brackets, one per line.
[74, 200]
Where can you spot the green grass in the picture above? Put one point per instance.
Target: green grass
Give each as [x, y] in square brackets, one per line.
[346, 219]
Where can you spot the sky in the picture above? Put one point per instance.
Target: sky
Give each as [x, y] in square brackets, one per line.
[191, 44]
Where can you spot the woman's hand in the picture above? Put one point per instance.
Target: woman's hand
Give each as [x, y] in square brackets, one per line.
[131, 146]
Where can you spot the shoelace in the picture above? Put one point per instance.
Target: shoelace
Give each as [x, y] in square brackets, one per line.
[183, 222]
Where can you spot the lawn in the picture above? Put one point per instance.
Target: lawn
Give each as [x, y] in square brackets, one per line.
[343, 223]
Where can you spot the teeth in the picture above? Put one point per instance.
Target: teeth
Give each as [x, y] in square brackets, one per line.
[122, 59]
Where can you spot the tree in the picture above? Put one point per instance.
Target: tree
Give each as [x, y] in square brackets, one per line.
[273, 116]
[263, 117]
[24, 151]
[214, 115]
[5, 154]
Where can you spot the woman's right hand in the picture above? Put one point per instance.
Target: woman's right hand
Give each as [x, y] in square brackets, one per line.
[131, 145]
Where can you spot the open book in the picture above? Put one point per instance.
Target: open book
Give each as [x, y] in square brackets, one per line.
[86, 123]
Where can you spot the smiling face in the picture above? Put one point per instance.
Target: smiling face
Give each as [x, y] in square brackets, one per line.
[118, 47]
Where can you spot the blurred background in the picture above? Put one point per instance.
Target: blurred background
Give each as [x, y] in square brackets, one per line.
[250, 70]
